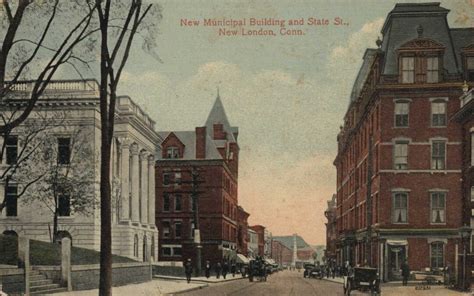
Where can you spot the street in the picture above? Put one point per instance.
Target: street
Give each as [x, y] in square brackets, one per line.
[281, 283]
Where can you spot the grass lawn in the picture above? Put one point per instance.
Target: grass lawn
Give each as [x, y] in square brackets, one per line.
[44, 253]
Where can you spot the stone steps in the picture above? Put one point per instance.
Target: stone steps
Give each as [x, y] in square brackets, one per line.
[40, 284]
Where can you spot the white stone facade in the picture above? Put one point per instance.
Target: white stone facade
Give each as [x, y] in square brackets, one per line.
[134, 233]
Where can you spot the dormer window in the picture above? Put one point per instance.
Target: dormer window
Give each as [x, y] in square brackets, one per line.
[172, 152]
[432, 69]
[420, 61]
[408, 69]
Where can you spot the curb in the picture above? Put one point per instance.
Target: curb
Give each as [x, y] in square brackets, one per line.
[186, 290]
[197, 280]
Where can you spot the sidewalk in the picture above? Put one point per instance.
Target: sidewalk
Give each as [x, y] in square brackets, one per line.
[151, 288]
[200, 279]
[160, 285]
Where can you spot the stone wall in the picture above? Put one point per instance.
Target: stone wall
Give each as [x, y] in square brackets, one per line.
[86, 277]
[12, 280]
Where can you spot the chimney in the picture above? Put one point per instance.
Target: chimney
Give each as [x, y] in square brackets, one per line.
[200, 142]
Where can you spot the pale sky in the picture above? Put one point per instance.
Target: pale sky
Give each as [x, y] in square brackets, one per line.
[287, 94]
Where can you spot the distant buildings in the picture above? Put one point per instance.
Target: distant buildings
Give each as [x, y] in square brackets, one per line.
[212, 153]
[400, 157]
[260, 231]
[72, 107]
[331, 229]
[282, 250]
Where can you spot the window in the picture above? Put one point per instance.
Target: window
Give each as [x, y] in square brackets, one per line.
[470, 68]
[177, 203]
[167, 179]
[401, 114]
[11, 149]
[177, 178]
[437, 255]
[166, 251]
[432, 69]
[166, 229]
[152, 248]
[64, 205]
[400, 207]
[177, 229]
[408, 69]
[438, 155]
[135, 246]
[11, 201]
[64, 151]
[400, 157]
[172, 152]
[438, 207]
[472, 193]
[438, 113]
[166, 202]
[177, 251]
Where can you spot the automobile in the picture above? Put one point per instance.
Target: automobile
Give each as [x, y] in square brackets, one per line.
[307, 269]
[364, 279]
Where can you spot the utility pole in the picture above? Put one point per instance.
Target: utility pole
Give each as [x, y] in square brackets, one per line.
[368, 202]
[197, 234]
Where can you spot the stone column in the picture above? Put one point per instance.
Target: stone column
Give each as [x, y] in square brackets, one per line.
[144, 186]
[135, 182]
[124, 176]
[151, 190]
[24, 260]
[66, 263]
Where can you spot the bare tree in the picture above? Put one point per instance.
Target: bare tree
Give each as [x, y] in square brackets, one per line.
[67, 169]
[20, 148]
[25, 54]
[119, 23]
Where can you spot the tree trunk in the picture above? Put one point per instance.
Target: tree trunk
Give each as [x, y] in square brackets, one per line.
[55, 226]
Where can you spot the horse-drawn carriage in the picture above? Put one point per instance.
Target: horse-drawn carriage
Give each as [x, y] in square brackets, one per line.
[364, 279]
[257, 270]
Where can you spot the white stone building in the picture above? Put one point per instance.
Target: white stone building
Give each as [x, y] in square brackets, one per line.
[134, 233]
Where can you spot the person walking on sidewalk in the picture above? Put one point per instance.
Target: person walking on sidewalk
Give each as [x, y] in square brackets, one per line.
[405, 272]
[225, 269]
[233, 268]
[218, 270]
[188, 270]
[208, 269]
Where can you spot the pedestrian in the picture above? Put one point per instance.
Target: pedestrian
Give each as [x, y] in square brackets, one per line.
[218, 270]
[225, 269]
[188, 270]
[233, 268]
[207, 269]
[405, 272]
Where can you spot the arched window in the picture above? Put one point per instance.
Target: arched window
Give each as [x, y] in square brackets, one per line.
[135, 246]
[10, 233]
[144, 249]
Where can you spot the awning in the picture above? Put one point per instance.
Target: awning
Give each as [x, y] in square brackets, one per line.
[270, 261]
[393, 242]
[242, 259]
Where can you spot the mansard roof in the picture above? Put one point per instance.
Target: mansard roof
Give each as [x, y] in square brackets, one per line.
[401, 27]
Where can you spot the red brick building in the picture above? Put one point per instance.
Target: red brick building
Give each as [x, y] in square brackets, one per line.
[465, 116]
[281, 253]
[242, 236]
[213, 152]
[399, 158]
[260, 230]
[331, 230]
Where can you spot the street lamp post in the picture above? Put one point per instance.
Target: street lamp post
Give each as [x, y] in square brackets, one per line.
[465, 233]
